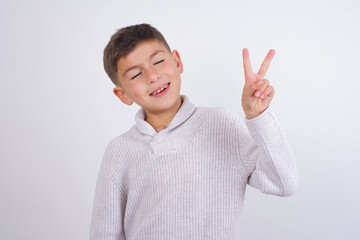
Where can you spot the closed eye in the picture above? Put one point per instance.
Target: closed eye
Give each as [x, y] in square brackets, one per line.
[159, 61]
[136, 75]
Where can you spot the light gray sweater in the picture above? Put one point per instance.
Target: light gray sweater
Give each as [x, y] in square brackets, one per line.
[188, 181]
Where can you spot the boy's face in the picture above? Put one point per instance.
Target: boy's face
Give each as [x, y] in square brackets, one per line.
[149, 68]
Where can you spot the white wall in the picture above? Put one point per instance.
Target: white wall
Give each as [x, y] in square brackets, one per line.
[58, 111]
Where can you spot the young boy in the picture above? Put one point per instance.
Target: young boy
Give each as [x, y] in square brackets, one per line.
[182, 170]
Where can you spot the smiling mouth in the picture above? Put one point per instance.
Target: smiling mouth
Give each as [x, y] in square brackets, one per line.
[160, 90]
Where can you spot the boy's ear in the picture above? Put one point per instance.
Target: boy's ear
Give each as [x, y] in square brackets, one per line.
[119, 92]
[176, 55]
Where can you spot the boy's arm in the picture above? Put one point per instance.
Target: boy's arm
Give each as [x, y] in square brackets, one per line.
[266, 153]
[108, 209]
[267, 156]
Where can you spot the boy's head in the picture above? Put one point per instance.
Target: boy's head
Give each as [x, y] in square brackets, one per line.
[140, 63]
[124, 42]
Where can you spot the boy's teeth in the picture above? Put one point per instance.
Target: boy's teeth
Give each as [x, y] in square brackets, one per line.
[160, 90]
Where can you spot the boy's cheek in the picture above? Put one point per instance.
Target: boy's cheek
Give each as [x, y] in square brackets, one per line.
[174, 71]
[137, 90]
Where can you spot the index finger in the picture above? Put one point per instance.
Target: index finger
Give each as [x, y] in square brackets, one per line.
[246, 61]
[266, 63]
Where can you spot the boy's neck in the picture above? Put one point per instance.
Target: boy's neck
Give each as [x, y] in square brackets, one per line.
[160, 121]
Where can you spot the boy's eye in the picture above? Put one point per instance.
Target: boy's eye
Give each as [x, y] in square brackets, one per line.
[136, 75]
[159, 61]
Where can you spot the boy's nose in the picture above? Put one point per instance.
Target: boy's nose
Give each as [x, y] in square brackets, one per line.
[153, 75]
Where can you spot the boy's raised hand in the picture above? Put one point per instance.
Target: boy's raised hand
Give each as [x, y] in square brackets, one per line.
[257, 93]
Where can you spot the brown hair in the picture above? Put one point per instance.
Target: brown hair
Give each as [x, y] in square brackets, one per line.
[124, 41]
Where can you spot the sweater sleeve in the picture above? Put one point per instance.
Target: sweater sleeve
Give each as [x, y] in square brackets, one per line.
[267, 156]
[109, 202]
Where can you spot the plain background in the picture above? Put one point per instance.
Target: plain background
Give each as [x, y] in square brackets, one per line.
[58, 111]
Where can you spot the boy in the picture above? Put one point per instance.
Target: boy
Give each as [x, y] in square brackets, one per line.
[182, 170]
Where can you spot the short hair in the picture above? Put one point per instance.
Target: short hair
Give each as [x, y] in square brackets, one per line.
[124, 41]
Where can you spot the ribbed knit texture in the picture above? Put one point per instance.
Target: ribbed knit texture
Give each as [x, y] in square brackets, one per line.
[188, 181]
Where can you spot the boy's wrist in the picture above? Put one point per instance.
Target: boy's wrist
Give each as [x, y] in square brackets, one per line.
[262, 120]
[252, 115]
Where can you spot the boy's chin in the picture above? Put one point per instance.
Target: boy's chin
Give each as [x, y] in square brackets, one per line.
[164, 107]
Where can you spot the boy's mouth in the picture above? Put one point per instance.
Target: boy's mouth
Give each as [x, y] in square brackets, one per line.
[160, 89]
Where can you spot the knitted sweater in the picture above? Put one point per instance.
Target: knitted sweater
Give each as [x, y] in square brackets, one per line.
[188, 181]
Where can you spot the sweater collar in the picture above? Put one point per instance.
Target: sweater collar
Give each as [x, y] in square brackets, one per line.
[185, 111]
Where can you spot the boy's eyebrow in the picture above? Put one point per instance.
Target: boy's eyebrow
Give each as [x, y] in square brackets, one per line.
[136, 66]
